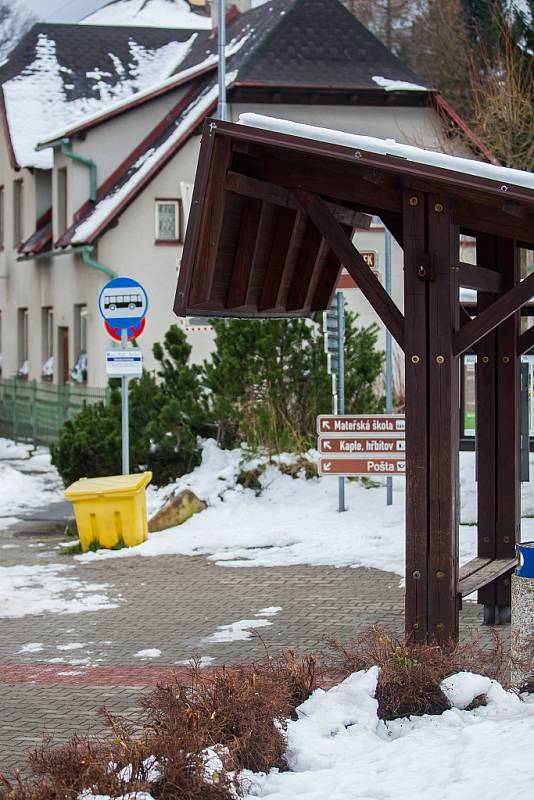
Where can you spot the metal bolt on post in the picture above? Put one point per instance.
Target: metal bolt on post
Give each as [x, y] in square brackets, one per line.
[124, 419]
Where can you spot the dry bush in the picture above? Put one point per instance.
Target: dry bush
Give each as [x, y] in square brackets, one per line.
[411, 673]
[241, 712]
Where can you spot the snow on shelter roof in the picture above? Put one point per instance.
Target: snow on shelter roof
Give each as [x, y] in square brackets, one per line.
[389, 147]
[59, 73]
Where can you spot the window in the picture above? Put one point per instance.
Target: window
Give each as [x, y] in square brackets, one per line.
[23, 343]
[79, 371]
[47, 323]
[61, 200]
[2, 220]
[17, 213]
[169, 221]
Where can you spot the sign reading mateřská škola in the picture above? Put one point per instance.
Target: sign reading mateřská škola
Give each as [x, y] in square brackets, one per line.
[362, 444]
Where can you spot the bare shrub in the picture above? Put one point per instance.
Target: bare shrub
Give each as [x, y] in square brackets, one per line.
[411, 673]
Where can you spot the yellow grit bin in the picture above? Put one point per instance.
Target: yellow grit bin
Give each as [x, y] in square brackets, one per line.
[110, 511]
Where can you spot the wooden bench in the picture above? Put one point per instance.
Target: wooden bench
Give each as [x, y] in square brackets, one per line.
[480, 571]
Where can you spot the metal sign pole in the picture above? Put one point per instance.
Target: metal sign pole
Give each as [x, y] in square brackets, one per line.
[389, 360]
[125, 420]
[222, 109]
[341, 378]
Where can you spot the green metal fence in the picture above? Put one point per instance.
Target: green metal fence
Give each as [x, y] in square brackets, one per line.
[35, 411]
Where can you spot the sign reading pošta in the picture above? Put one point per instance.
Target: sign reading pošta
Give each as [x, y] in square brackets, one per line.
[377, 448]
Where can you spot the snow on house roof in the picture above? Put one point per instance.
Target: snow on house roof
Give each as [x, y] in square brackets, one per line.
[399, 86]
[132, 176]
[157, 13]
[307, 43]
[389, 147]
[154, 90]
[60, 73]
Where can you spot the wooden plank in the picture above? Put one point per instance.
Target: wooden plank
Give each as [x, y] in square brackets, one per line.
[248, 231]
[504, 307]
[444, 422]
[525, 341]
[486, 426]
[326, 282]
[480, 278]
[468, 569]
[192, 233]
[508, 387]
[308, 263]
[292, 260]
[260, 255]
[353, 262]
[477, 218]
[416, 380]
[498, 568]
[278, 249]
[321, 264]
[211, 223]
[278, 195]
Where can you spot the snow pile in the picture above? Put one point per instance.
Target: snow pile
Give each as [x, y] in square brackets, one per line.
[290, 521]
[338, 748]
[398, 86]
[40, 92]
[389, 147]
[28, 590]
[27, 479]
[149, 13]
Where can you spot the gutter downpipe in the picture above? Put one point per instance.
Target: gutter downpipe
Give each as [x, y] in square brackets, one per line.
[87, 162]
[88, 259]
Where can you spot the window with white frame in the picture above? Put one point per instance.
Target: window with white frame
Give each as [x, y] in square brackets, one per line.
[169, 220]
[23, 343]
[79, 371]
[18, 212]
[47, 327]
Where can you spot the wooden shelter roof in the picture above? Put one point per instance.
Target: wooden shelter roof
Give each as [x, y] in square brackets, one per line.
[273, 214]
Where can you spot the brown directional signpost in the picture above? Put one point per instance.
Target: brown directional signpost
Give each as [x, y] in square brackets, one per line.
[362, 444]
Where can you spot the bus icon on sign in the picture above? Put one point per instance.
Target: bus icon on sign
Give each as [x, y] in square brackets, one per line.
[130, 301]
[123, 303]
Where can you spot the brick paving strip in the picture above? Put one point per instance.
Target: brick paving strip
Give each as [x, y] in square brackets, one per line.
[68, 675]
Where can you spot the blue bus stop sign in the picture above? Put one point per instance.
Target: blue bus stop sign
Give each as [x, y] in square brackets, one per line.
[123, 303]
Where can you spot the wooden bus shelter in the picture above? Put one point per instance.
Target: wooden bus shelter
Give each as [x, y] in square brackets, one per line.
[270, 226]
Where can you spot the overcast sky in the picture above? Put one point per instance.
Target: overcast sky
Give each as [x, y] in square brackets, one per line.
[63, 10]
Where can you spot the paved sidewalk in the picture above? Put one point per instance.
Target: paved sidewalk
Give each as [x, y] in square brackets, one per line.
[56, 670]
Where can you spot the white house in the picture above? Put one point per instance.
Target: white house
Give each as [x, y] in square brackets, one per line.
[100, 139]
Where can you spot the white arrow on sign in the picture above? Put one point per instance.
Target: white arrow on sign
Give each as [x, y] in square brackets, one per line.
[326, 424]
[327, 445]
[327, 466]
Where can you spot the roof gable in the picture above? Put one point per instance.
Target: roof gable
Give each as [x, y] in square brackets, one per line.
[307, 43]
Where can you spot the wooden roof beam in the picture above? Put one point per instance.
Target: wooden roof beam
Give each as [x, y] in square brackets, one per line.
[480, 278]
[270, 193]
[525, 341]
[493, 315]
[353, 262]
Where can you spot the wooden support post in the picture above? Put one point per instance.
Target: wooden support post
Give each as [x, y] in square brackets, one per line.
[416, 380]
[432, 314]
[486, 432]
[444, 422]
[508, 476]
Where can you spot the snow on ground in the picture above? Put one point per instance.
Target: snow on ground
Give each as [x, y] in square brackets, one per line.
[150, 652]
[27, 480]
[149, 13]
[338, 748]
[28, 590]
[238, 631]
[291, 520]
